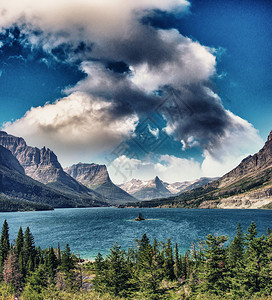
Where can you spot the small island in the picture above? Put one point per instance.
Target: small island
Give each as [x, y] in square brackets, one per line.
[140, 218]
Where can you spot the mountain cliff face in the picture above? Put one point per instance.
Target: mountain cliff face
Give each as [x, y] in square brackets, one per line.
[96, 177]
[43, 166]
[249, 185]
[9, 161]
[20, 192]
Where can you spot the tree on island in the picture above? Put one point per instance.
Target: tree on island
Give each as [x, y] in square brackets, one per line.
[140, 218]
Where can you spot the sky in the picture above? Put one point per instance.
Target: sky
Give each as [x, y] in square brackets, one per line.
[179, 89]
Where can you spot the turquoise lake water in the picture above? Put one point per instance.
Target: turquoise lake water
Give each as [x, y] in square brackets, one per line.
[92, 230]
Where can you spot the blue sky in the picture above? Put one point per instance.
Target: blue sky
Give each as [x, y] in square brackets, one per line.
[114, 77]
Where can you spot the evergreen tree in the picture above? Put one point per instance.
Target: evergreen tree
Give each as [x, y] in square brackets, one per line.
[36, 282]
[28, 251]
[177, 266]
[168, 264]
[99, 262]
[11, 272]
[236, 262]
[4, 243]
[116, 278]
[67, 262]
[236, 248]
[67, 266]
[58, 254]
[257, 264]
[19, 242]
[215, 273]
[144, 255]
[185, 265]
[52, 264]
[148, 271]
[252, 232]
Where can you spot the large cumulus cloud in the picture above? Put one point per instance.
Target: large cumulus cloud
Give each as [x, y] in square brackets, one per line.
[103, 109]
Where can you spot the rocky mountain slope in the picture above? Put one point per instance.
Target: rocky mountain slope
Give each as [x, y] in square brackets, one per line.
[145, 190]
[43, 166]
[249, 185]
[96, 177]
[20, 192]
[156, 188]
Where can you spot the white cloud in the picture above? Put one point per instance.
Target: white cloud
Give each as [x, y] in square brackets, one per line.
[79, 19]
[194, 63]
[154, 131]
[239, 140]
[75, 123]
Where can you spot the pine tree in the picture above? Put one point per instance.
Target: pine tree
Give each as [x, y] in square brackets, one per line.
[185, 265]
[4, 243]
[11, 272]
[67, 266]
[117, 277]
[148, 273]
[28, 251]
[99, 262]
[144, 255]
[236, 262]
[177, 266]
[236, 248]
[58, 254]
[215, 273]
[51, 263]
[19, 242]
[67, 262]
[168, 264]
[257, 269]
[252, 232]
[36, 282]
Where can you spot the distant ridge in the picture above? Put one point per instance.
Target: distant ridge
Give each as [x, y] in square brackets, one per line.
[156, 188]
[249, 185]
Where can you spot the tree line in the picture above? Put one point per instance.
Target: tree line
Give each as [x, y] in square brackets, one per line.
[211, 270]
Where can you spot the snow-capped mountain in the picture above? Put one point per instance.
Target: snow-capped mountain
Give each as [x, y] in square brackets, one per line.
[156, 188]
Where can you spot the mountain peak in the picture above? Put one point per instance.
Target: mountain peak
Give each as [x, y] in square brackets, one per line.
[157, 179]
[96, 177]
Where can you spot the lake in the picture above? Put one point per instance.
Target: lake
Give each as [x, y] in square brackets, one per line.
[92, 230]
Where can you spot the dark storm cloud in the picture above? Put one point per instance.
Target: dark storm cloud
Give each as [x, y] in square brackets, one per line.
[142, 44]
[194, 111]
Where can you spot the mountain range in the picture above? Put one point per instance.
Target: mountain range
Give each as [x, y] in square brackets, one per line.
[249, 185]
[41, 166]
[156, 188]
[32, 178]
